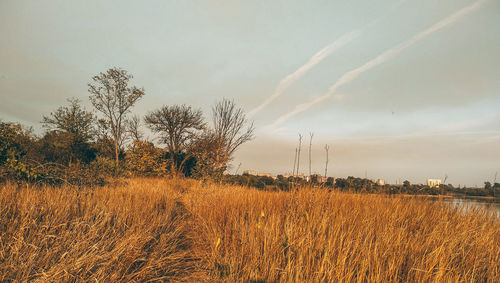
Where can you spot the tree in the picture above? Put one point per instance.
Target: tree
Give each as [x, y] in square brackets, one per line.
[15, 144]
[12, 137]
[327, 147]
[133, 126]
[204, 149]
[111, 95]
[310, 148]
[72, 119]
[294, 161]
[487, 186]
[63, 148]
[298, 153]
[177, 126]
[71, 128]
[144, 159]
[229, 130]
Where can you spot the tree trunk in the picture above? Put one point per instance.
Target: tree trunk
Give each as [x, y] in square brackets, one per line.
[294, 162]
[173, 165]
[117, 156]
[310, 146]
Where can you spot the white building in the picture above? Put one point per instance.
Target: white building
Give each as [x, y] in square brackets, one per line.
[380, 182]
[433, 183]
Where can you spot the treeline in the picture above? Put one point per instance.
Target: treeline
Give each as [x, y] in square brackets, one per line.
[360, 185]
[84, 147]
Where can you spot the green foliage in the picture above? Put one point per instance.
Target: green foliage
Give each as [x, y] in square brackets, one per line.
[205, 152]
[144, 159]
[13, 140]
[64, 148]
[70, 132]
[20, 170]
[74, 120]
[104, 147]
[178, 127]
[356, 184]
[262, 182]
[56, 158]
[361, 185]
[15, 143]
[107, 167]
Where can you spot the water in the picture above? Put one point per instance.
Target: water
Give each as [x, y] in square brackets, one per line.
[470, 203]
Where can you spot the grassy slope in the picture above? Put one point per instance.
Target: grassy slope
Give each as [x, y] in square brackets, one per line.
[180, 230]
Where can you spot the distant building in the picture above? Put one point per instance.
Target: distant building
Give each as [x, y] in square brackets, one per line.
[317, 178]
[433, 183]
[380, 182]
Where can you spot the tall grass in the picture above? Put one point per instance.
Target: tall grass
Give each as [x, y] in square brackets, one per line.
[181, 230]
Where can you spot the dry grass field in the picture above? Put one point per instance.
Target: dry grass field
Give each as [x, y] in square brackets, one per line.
[181, 230]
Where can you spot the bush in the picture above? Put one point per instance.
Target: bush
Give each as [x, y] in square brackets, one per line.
[144, 159]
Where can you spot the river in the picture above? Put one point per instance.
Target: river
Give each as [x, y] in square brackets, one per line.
[469, 203]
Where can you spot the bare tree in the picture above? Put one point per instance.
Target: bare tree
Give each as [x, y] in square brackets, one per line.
[237, 169]
[327, 147]
[495, 184]
[298, 155]
[133, 126]
[177, 126]
[229, 130]
[294, 162]
[310, 148]
[111, 95]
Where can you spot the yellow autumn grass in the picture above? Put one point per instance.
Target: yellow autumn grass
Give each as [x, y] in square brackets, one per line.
[182, 230]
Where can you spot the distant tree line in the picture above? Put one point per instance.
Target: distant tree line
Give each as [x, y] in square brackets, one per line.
[83, 147]
[360, 185]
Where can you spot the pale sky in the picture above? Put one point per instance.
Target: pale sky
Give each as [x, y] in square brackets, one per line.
[398, 89]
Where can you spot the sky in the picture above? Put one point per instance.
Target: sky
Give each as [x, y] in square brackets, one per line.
[399, 89]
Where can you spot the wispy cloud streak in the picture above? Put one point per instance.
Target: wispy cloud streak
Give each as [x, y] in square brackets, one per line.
[286, 82]
[388, 54]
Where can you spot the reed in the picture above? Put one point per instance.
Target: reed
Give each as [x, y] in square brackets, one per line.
[183, 230]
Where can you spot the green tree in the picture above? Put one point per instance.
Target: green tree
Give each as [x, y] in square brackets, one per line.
[16, 143]
[144, 159]
[72, 119]
[487, 185]
[204, 149]
[71, 129]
